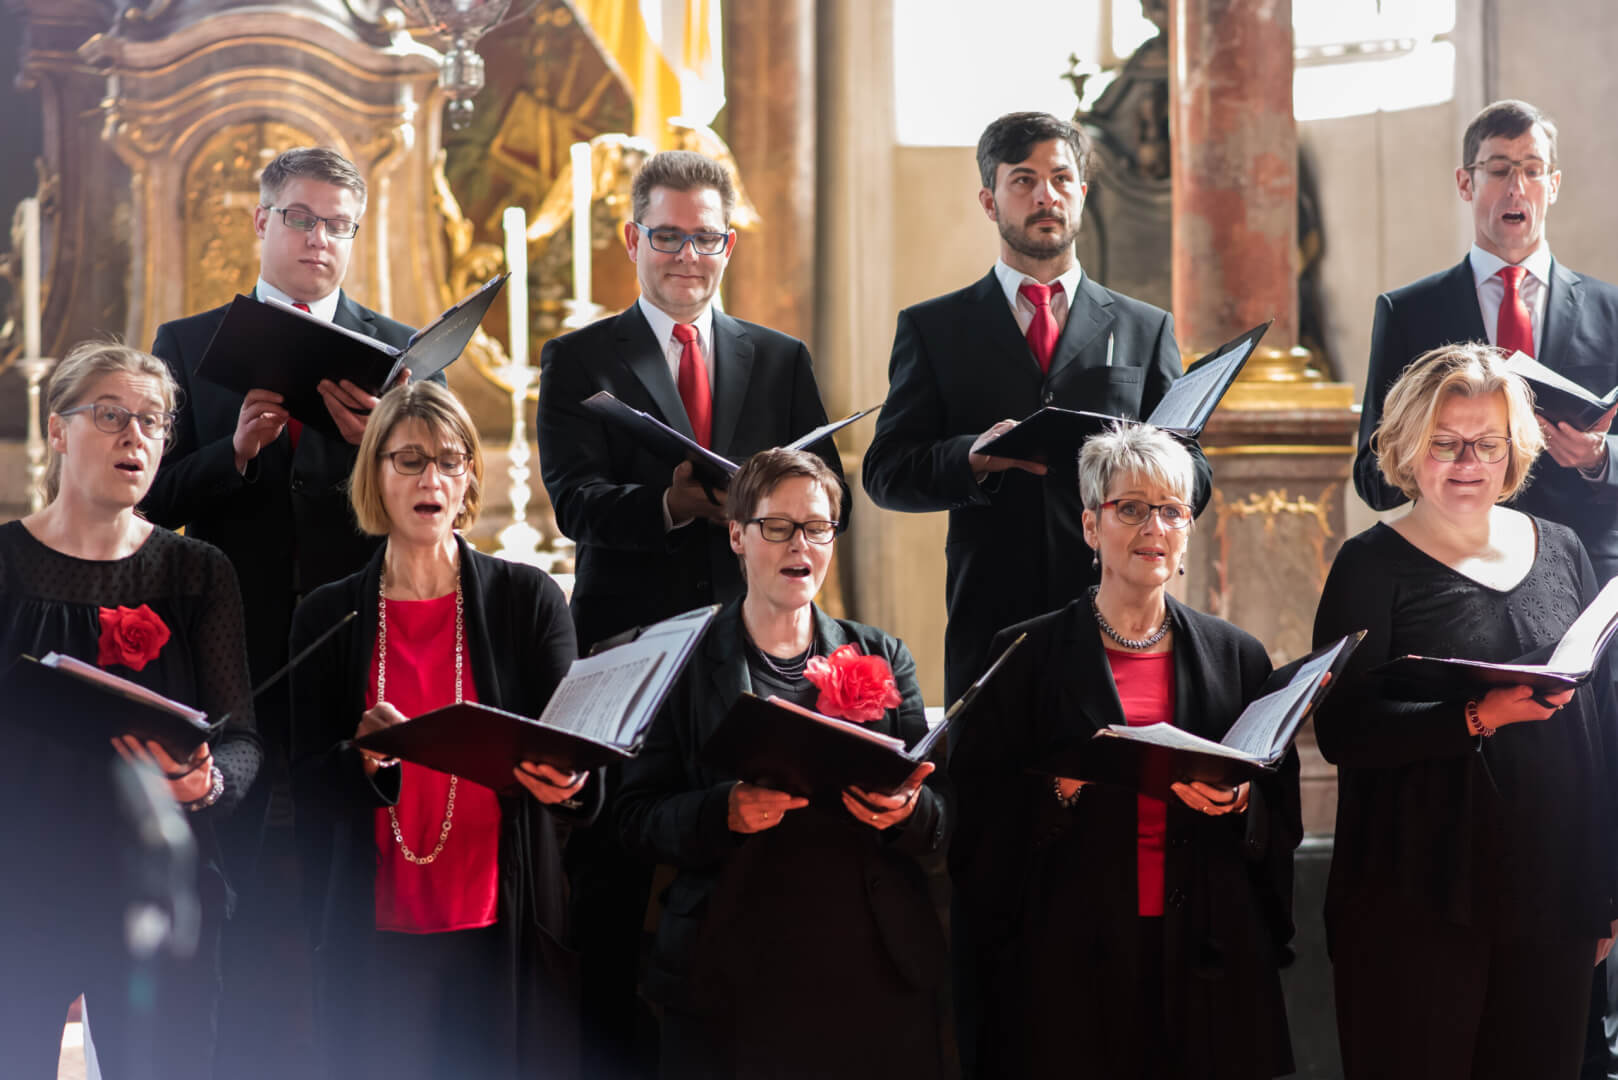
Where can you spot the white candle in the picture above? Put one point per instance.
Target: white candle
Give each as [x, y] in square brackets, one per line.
[583, 185]
[30, 279]
[516, 224]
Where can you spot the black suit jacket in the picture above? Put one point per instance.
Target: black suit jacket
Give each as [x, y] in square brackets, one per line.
[1052, 891]
[608, 491]
[519, 645]
[1581, 326]
[717, 932]
[285, 524]
[1016, 542]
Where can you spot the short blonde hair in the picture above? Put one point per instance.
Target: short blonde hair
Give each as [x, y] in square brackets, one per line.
[71, 378]
[446, 418]
[1410, 413]
[1133, 450]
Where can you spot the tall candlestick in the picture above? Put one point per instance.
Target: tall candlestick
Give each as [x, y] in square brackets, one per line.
[30, 279]
[583, 190]
[516, 225]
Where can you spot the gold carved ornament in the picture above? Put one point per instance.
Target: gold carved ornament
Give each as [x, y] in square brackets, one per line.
[1270, 507]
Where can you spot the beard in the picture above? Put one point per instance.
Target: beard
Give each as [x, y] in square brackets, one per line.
[1024, 241]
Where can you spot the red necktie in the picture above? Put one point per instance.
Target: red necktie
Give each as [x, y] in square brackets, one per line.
[1515, 330]
[295, 427]
[1042, 331]
[693, 384]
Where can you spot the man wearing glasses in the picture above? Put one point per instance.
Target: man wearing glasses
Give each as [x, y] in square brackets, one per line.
[652, 541]
[245, 476]
[1510, 292]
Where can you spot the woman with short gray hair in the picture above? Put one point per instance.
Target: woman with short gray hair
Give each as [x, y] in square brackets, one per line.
[1121, 934]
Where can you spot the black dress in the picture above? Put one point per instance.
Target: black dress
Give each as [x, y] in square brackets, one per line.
[1452, 850]
[65, 823]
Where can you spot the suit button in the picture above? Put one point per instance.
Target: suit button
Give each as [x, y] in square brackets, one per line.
[1177, 898]
[702, 586]
[1178, 842]
[1049, 397]
[297, 483]
[873, 882]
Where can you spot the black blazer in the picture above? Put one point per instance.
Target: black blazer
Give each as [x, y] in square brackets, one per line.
[608, 492]
[285, 525]
[1581, 324]
[1052, 891]
[1016, 542]
[674, 809]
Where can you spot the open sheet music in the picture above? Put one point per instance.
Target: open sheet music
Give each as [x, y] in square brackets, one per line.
[599, 713]
[1558, 398]
[87, 705]
[1183, 410]
[1573, 661]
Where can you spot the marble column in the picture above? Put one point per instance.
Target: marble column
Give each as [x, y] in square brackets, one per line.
[770, 126]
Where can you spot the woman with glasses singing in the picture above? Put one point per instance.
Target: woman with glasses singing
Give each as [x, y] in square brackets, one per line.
[1473, 878]
[88, 578]
[436, 905]
[1117, 934]
[798, 938]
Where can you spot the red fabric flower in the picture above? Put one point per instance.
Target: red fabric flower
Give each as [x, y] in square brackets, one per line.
[131, 636]
[853, 686]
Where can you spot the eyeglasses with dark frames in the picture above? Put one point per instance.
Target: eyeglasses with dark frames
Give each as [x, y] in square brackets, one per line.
[114, 418]
[1136, 511]
[413, 462]
[338, 228]
[778, 530]
[1489, 449]
[669, 240]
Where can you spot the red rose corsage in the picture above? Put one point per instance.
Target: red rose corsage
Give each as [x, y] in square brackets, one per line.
[131, 636]
[853, 686]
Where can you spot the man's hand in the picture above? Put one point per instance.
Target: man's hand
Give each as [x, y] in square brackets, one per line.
[688, 499]
[258, 423]
[1575, 449]
[983, 464]
[349, 406]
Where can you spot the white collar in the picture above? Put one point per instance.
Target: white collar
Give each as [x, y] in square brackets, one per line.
[1486, 264]
[1012, 280]
[324, 309]
[662, 324]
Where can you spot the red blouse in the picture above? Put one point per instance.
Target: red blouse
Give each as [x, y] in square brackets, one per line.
[1146, 687]
[458, 890]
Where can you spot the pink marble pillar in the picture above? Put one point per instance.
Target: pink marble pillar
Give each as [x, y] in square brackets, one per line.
[1235, 170]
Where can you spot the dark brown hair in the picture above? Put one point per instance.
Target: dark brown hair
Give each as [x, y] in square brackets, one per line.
[766, 470]
[1506, 120]
[681, 170]
[1012, 138]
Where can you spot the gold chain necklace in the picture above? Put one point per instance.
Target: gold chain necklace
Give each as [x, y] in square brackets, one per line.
[381, 684]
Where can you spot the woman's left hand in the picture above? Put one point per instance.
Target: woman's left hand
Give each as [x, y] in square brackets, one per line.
[548, 784]
[188, 780]
[1211, 799]
[885, 811]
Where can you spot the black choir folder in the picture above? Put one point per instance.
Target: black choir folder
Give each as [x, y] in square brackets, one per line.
[1558, 398]
[786, 747]
[599, 713]
[268, 345]
[1254, 745]
[84, 704]
[1572, 661]
[663, 441]
[1184, 410]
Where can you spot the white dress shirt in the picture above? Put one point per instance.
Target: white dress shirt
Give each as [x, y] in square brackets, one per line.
[1021, 307]
[1535, 287]
[662, 324]
[324, 309]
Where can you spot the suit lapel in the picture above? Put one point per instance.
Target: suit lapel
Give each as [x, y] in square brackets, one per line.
[1089, 313]
[353, 317]
[637, 348]
[1561, 316]
[1459, 304]
[1002, 337]
[732, 370]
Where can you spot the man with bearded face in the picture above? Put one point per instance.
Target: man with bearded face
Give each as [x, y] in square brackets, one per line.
[1035, 331]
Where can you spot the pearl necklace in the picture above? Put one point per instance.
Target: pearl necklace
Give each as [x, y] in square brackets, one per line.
[1128, 643]
[381, 684]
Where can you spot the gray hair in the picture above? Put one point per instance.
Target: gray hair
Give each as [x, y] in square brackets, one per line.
[1133, 450]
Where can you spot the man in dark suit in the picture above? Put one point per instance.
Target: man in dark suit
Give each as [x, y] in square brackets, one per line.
[1510, 292]
[651, 540]
[245, 476]
[1035, 331]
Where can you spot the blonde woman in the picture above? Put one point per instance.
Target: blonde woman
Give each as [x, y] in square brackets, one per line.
[1473, 878]
[87, 577]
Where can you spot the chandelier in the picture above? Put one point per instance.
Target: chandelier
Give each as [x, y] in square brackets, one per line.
[462, 22]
